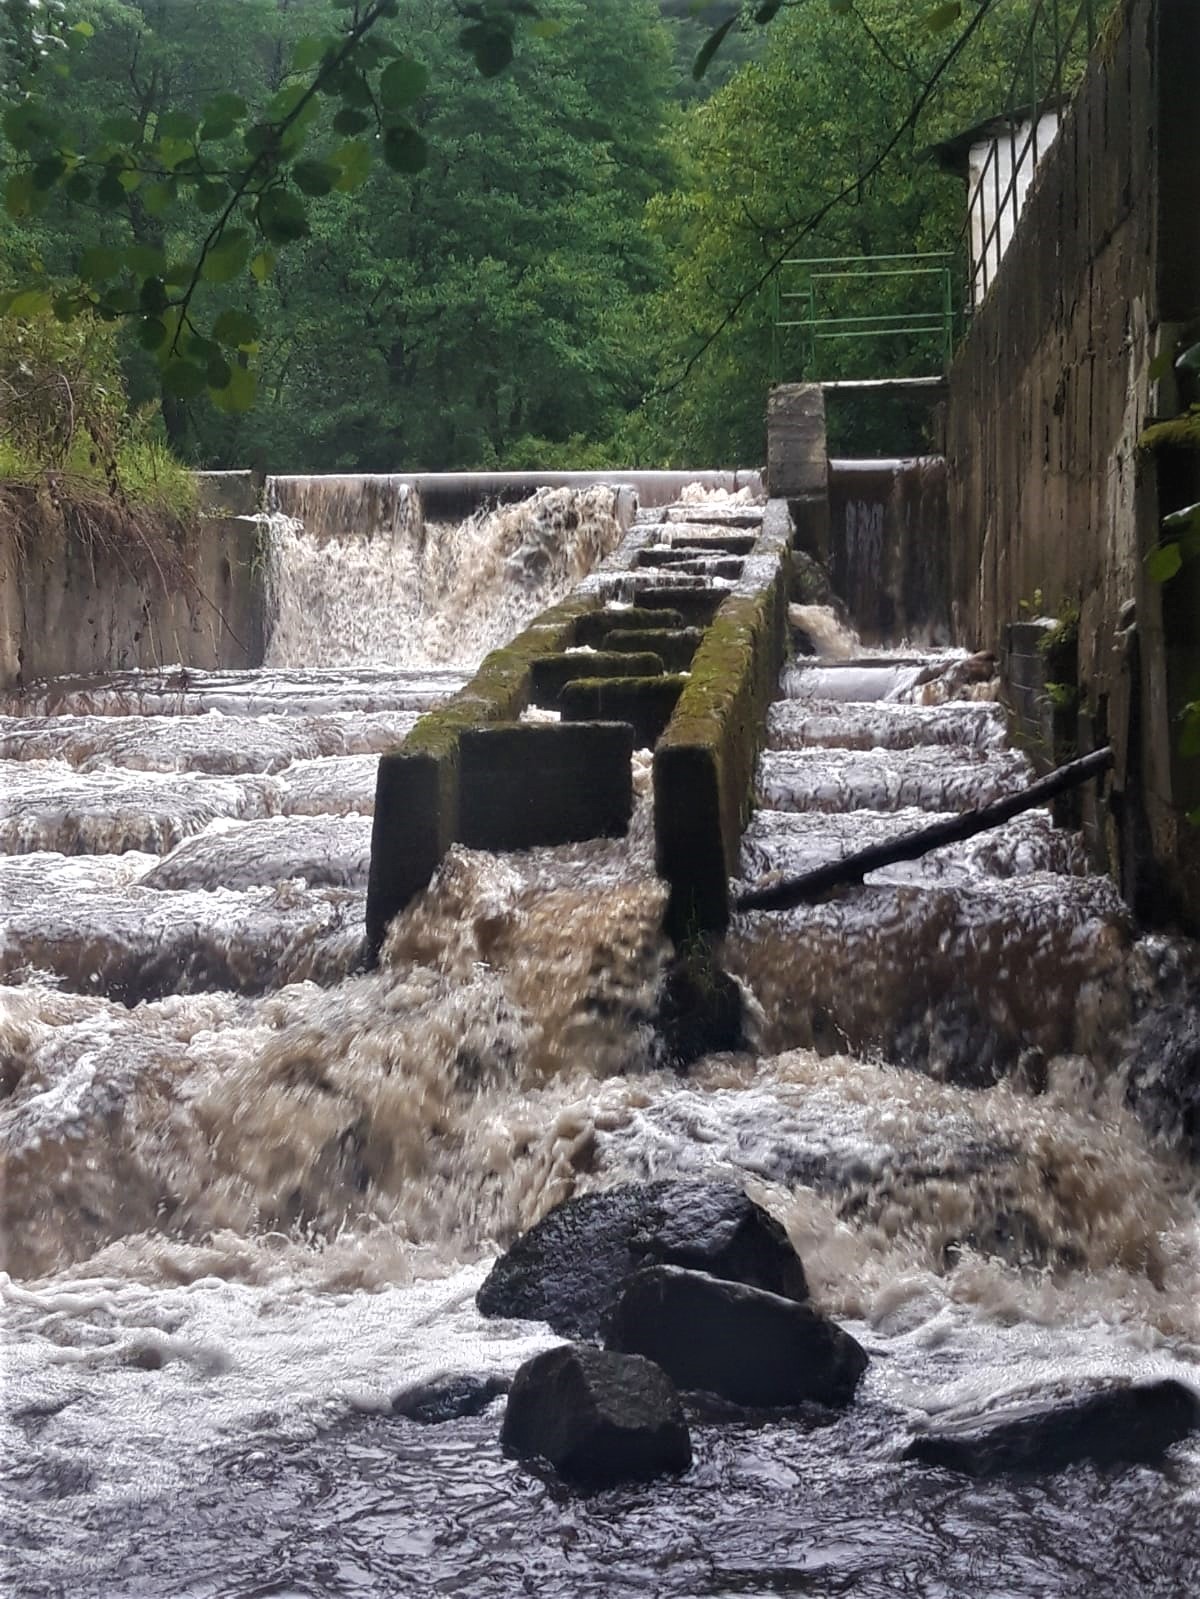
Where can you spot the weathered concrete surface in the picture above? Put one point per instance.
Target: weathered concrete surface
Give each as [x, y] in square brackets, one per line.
[551, 673]
[646, 704]
[675, 647]
[522, 785]
[889, 554]
[1048, 398]
[86, 589]
[798, 463]
[704, 762]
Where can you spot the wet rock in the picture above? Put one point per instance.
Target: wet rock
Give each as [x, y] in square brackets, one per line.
[1132, 1424]
[569, 1269]
[596, 1417]
[448, 1398]
[700, 1011]
[742, 1343]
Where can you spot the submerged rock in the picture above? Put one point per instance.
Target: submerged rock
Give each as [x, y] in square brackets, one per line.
[596, 1417]
[448, 1398]
[568, 1270]
[744, 1344]
[1131, 1424]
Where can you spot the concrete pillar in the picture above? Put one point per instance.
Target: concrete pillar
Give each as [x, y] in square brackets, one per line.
[798, 461]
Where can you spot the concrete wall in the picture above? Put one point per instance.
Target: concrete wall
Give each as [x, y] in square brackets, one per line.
[1052, 508]
[85, 588]
[888, 548]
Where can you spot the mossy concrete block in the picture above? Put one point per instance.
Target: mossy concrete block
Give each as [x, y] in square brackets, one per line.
[416, 820]
[522, 785]
[704, 762]
[551, 672]
[711, 543]
[675, 646]
[665, 555]
[417, 796]
[645, 703]
[696, 606]
[723, 566]
[595, 626]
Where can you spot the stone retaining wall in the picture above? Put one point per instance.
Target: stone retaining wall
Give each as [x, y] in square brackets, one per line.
[83, 591]
[1053, 507]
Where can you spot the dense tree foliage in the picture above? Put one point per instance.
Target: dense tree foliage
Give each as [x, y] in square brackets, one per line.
[424, 234]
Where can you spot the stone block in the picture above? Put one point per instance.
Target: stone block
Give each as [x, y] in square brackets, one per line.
[550, 673]
[797, 459]
[416, 816]
[674, 646]
[523, 785]
[595, 626]
[696, 607]
[645, 703]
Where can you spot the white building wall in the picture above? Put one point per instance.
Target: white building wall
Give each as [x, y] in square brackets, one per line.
[993, 209]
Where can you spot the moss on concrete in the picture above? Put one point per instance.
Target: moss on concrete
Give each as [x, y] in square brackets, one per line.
[595, 626]
[676, 646]
[704, 763]
[646, 703]
[550, 673]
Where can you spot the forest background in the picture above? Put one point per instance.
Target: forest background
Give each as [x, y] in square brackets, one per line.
[536, 294]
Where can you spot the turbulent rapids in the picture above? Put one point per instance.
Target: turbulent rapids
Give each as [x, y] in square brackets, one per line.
[250, 1189]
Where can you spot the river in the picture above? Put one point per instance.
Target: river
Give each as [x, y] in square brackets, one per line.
[250, 1189]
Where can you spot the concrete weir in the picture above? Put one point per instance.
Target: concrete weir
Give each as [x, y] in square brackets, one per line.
[673, 643]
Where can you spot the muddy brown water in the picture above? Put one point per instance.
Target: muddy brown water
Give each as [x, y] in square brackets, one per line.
[249, 1191]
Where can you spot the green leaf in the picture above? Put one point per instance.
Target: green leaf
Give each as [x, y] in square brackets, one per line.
[1189, 741]
[78, 187]
[315, 177]
[211, 195]
[490, 43]
[240, 392]
[145, 260]
[354, 160]
[19, 194]
[48, 171]
[100, 263]
[710, 47]
[547, 28]
[130, 179]
[404, 149]
[402, 83]
[349, 120]
[944, 16]
[176, 125]
[22, 127]
[30, 302]
[767, 12]
[262, 266]
[218, 371]
[157, 198]
[152, 296]
[235, 329]
[122, 130]
[281, 216]
[285, 102]
[221, 116]
[185, 379]
[84, 30]
[110, 191]
[1188, 517]
[173, 152]
[1161, 366]
[151, 333]
[227, 257]
[1163, 563]
[308, 51]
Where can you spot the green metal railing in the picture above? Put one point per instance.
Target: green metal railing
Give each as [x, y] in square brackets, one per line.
[812, 300]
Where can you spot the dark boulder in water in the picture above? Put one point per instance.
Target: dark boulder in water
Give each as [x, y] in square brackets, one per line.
[448, 1398]
[742, 1343]
[596, 1417]
[1133, 1424]
[568, 1270]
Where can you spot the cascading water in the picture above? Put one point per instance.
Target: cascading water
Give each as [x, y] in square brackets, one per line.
[250, 1190]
